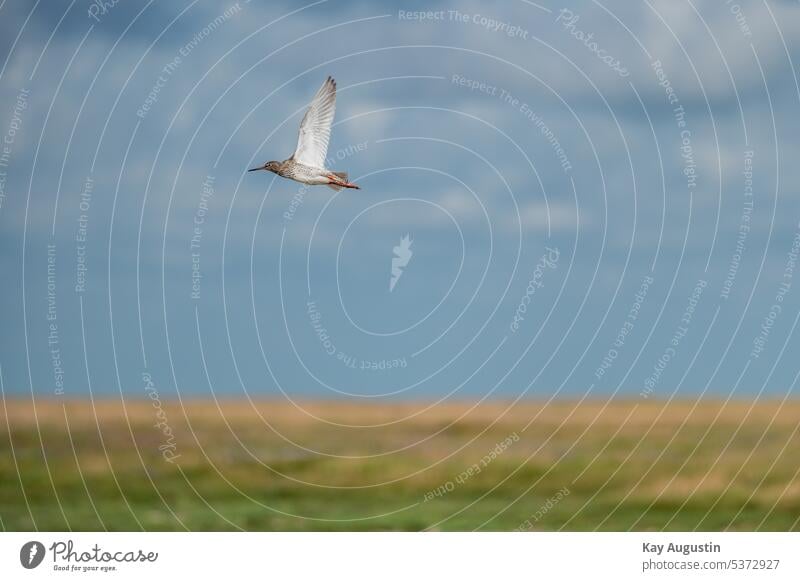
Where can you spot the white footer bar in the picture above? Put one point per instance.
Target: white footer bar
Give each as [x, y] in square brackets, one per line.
[371, 556]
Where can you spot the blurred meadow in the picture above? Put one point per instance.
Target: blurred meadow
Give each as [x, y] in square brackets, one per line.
[568, 465]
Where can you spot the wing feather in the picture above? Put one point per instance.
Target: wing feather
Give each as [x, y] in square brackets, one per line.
[315, 128]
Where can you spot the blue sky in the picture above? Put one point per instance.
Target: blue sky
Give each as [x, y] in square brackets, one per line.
[601, 200]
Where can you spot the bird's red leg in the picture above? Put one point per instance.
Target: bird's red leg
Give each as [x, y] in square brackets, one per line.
[336, 181]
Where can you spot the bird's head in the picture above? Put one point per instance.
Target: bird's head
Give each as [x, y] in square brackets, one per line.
[269, 166]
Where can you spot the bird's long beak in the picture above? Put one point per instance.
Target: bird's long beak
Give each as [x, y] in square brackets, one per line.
[257, 168]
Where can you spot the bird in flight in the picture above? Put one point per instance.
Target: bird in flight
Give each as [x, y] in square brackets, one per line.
[307, 164]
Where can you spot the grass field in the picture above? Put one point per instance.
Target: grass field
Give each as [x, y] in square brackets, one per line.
[71, 465]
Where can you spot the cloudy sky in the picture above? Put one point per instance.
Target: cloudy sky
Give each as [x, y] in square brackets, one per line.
[600, 198]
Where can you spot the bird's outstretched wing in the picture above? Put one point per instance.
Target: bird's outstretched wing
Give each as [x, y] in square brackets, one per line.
[315, 128]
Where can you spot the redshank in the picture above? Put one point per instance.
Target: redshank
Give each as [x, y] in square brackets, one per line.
[307, 164]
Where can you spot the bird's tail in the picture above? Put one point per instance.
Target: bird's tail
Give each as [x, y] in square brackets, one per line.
[341, 181]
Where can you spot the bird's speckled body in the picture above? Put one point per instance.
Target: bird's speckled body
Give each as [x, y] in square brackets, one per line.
[304, 174]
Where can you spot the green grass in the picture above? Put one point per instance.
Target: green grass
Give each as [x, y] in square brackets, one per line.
[626, 466]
